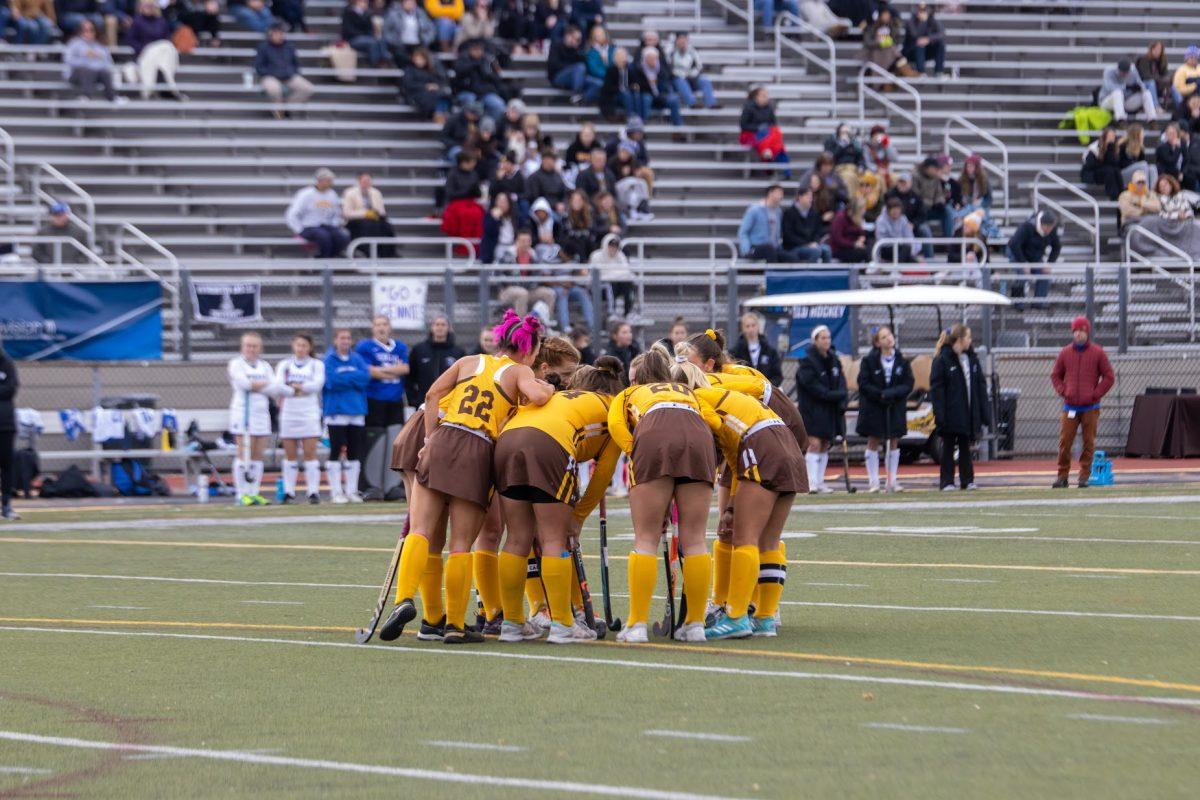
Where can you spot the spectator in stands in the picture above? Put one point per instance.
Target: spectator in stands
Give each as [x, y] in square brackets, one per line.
[595, 176]
[487, 149]
[499, 229]
[278, 69]
[1154, 73]
[818, 14]
[678, 332]
[620, 344]
[613, 265]
[880, 155]
[690, 79]
[623, 89]
[579, 154]
[460, 127]
[387, 360]
[8, 431]
[659, 90]
[510, 122]
[803, 229]
[572, 287]
[974, 190]
[1187, 76]
[406, 27]
[760, 235]
[1191, 164]
[149, 37]
[567, 70]
[1188, 115]
[766, 10]
[958, 389]
[547, 183]
[633, 190]
[58, 224]
[33, 20]
[924, 39]
[848, 160]
[829, 190]
[477, 77]
[476, 23]
[315, 215]
[516, 23]
[538, 298]
[1122, 92]
[1175, 223]
[759, 129]
[1136, 201]
[202, 16]
[252, 14]
[1171, 152]
[598, 54]
[1134, 155]
[581, 338]
[88, 66]
[1029, 245]
[425, 86]
[892, 224]
[358, 30]
[929, 187]
[586, 14]
[292, 14]
[1102, 163]
[576, 239]
[366, 215]
[429, 359]
[606, 217]
[546, 231]
[1081, 377]
[486, 345]
[847, 237]
[549, 20]
[463, 216]
[445, 15]
[914, 207]
[881, 45]
[70, 13]
[753, 349]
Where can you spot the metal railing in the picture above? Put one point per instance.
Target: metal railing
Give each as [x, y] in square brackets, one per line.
[829, 64]
[45, 173]
[900, 244]
[448, 244]
[711, 244]
[914, 117]
[744, 14]
[950, 144]
[1040, 198]
[1133, 256]
[169, 281]
[9, 167]
[57, 268]
[715, 264]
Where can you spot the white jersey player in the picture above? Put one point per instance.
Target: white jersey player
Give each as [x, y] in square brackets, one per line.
[298, 383]
[253, 382]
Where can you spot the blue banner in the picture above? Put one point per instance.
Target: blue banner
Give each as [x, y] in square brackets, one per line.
[41, 320]
[805, 318]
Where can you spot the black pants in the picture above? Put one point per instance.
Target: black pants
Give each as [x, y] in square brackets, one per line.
[6, 466]
[966, 470]
[351, 437]
[382, 413]
[372, 227]
[624, 291]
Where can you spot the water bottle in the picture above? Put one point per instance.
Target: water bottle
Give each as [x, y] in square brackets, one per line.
[279, 490]
[202, 489]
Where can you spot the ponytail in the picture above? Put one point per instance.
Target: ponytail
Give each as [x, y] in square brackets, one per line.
[951, 336]
[606, 377]
[710, 345]
[687, 373]
[521, 336]
[651, 367]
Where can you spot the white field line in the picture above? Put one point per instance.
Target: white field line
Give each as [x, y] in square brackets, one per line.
[123, 608]
[977, 505]
[668, 666]
[1100, 577]
[987, 537]
[24, 771]
[1051, 514]
[165, 579]
[503, 748]
[896, 726]
[347, 522]
[1129, 720]
[961, 580]
[156, 756]
[704, 737]
[273, 602]
[241, 757]
[853, 585]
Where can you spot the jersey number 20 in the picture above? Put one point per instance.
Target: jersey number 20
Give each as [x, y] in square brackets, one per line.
[469, 407]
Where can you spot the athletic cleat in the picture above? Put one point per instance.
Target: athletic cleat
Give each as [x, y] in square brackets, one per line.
[541, 619]
[873, 488]
[404, 613]
[287, 500]
[948, 487]
[339, 500]
[581, 617]
[710, 613]
[690, 632]
[259, 500]
[314, 499]
[432, 632]
[519, 631]
[354, 497]
[7, 513]
[457, 635]
[634, 634]
[971, 487]
[778, 619]
[577, 632]
[895, 488]
[730, 628]
[492, 626]
[245, 500]
[823, 489]
[763, 627]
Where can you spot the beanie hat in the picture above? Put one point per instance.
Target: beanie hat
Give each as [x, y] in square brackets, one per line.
[1123, 65]
[1192, 51]
[1081, 324]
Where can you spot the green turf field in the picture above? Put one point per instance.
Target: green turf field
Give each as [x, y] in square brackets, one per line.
[997, 645]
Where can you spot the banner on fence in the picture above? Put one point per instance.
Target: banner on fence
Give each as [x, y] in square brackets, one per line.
[226, 302]
[119, 321]
[805, 318]
[402, 300]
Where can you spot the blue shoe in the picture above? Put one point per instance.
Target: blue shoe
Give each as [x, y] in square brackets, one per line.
[730, 628]
[763, 626]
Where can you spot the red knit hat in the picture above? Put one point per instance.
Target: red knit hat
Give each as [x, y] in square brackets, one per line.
[1081, 323]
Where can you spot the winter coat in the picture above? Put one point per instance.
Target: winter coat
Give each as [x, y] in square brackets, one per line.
[881, 405]
[345, 390]
[844, 232]
[144, 31]
[929, 187]
[1169, 160]
[1082, 377]
[821, 394]
[276, 61]
[560, 57]
[768, 362]
[8, 392]
[952, 411]
[393, 24]
[478, 76]
[355, 24]
[850, 152]
[632, 79]
[624, 354]
[1028, 245]
[801, 229]
[427, 362]
[549, 185]
[755, 117]
[914, 206]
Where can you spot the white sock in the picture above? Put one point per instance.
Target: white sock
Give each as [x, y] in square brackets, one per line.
[312, 477]
[256, 474]
[291, 471]
[334, 470]
[872, 461]
[813, 462]
[893, 466]
[239, 484]
[352, 470]
[822, 467]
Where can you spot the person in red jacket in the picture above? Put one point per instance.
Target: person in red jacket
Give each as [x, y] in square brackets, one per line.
[1081, 376]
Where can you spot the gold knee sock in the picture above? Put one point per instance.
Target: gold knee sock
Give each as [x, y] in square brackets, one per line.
[743, 577]
[772, 572]
[697, 569]
[754, 596]
[458, 588]
[413, 560]
[556, 572]
[512, 569]
[486, 567]
[533, 586]
[720, 561]
[432, 605]
[576, 592]
[643, 571]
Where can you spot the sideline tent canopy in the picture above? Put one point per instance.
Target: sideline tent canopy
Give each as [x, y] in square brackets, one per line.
[893, 296]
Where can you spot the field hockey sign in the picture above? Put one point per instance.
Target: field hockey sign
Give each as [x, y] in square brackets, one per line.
[226, 302]
[401, 300]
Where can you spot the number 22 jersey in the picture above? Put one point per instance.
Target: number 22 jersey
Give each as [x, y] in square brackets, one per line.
[478, 402]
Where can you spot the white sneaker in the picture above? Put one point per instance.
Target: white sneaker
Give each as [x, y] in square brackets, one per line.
[561, 634]
[354, 497]
[895, 488]
[541, 619]
[690, 632]
[823, 489]
[519, 632]
[633, 634]
[949, 488]
[971, 487]
[339, 500]
[120, 100]
[873, 488]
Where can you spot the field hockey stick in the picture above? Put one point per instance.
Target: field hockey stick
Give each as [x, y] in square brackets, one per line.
[887, 446]
[846, 466]
[613, 623]
[589, 612]
[678, 564]
[363, 635]
[667, 625]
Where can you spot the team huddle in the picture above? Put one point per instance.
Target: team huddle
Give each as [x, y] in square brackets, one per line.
[491, 466]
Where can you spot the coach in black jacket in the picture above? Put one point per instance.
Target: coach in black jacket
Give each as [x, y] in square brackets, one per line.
[821, 394]
[756, 351]
[958, 389]
[430, 359]
[8, 431]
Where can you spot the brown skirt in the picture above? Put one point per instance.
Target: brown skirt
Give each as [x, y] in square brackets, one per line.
[673, 443]
[787, 411]
[770, 458]
[459, 464]
[408, 443]
[531, 466]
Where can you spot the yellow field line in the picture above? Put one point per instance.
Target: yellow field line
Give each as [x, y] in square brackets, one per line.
[681, 648]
